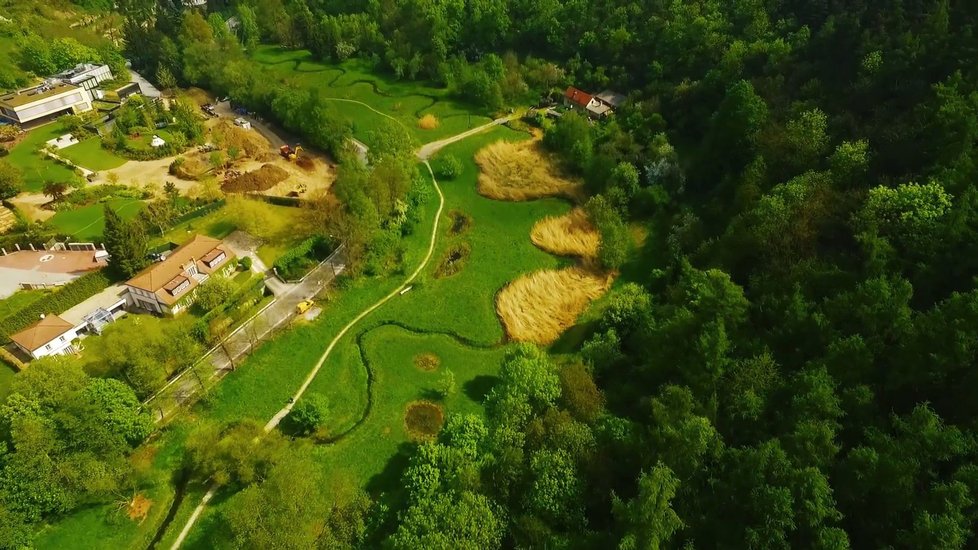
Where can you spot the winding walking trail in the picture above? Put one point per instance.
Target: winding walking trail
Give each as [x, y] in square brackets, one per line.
[423, 154]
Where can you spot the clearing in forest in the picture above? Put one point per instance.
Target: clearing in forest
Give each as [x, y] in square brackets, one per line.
[538, 307]
[519, 171]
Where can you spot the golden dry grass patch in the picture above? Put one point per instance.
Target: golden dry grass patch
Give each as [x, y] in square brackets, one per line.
[569, 235]
[517, 171]
[428, 122]
[539, 306]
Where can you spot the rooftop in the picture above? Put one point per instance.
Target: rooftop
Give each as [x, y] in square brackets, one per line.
[42, 332]
[611, 98]
[31, 95]
[52, 261]
[577, 96]
[171, 274]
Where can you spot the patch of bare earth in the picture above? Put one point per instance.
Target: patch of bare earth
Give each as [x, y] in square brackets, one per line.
[262, 179]
[539, 306]
[138, 507]
[517, 171]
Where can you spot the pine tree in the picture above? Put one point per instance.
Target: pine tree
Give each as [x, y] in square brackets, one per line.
[126, 243]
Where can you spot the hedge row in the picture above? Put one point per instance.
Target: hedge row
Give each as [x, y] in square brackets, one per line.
[59, 301]
[297, 261]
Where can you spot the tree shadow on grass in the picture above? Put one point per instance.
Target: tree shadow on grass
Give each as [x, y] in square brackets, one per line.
[479, 387]
[388, 481]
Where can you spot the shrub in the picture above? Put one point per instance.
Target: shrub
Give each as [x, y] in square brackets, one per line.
[449, 167]
[245, 263]
[296, 262]
[309, 414]
[214, 292]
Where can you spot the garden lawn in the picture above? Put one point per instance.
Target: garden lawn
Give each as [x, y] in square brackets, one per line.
[88, 222]
[90, 154]
[37, 168]
[282, 228]
[355, 79]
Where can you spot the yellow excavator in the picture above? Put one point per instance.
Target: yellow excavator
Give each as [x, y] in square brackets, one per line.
[290, 153]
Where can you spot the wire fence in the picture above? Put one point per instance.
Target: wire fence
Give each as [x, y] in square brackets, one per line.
[195, 381]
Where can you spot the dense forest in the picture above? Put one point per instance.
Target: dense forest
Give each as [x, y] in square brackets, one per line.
[793, 370]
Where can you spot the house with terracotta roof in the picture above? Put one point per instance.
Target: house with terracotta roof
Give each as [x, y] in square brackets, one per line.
[595, 106]
[170, 286]
[52, 335]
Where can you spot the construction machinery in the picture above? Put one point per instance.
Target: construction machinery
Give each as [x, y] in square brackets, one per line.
[290, 153]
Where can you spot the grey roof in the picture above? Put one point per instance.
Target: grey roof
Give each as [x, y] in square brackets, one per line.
[611, 98]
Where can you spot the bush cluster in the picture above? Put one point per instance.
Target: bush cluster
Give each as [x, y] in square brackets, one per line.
[296, 262]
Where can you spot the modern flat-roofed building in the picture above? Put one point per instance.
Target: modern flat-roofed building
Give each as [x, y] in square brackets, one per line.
[87, 76]
[45, 102]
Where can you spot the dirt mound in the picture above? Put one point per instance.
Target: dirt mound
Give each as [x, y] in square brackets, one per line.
[188, 168]
[259, 180]
[569, 235]
[427, 362]
[423, 419]
[249, 143]
[538, 307]
[428, 122]
[521, 171]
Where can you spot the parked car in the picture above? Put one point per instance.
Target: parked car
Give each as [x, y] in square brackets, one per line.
[303, 307]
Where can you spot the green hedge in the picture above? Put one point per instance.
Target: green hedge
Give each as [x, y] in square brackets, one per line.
[59, 301]
[297, 261]
[232, 310]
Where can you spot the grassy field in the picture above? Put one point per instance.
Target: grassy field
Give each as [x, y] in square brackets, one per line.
[280, 228]
[90, 154]
[38, 169]
[88, 222]
[404, 101]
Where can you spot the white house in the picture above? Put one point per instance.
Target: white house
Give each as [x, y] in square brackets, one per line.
[52, 335]
[45, 102]
[170, 286]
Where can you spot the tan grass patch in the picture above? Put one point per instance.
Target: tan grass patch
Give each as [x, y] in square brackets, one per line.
[539, 306]
[521, 171]
[569, 235]
[427, 362]
[138, 507]
[428, 122]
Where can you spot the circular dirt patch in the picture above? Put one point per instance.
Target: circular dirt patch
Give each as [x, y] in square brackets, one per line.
[423, 419]
[427, 361]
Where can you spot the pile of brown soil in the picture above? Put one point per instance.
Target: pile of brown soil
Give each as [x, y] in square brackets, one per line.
[263, 179]
[249, 143]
